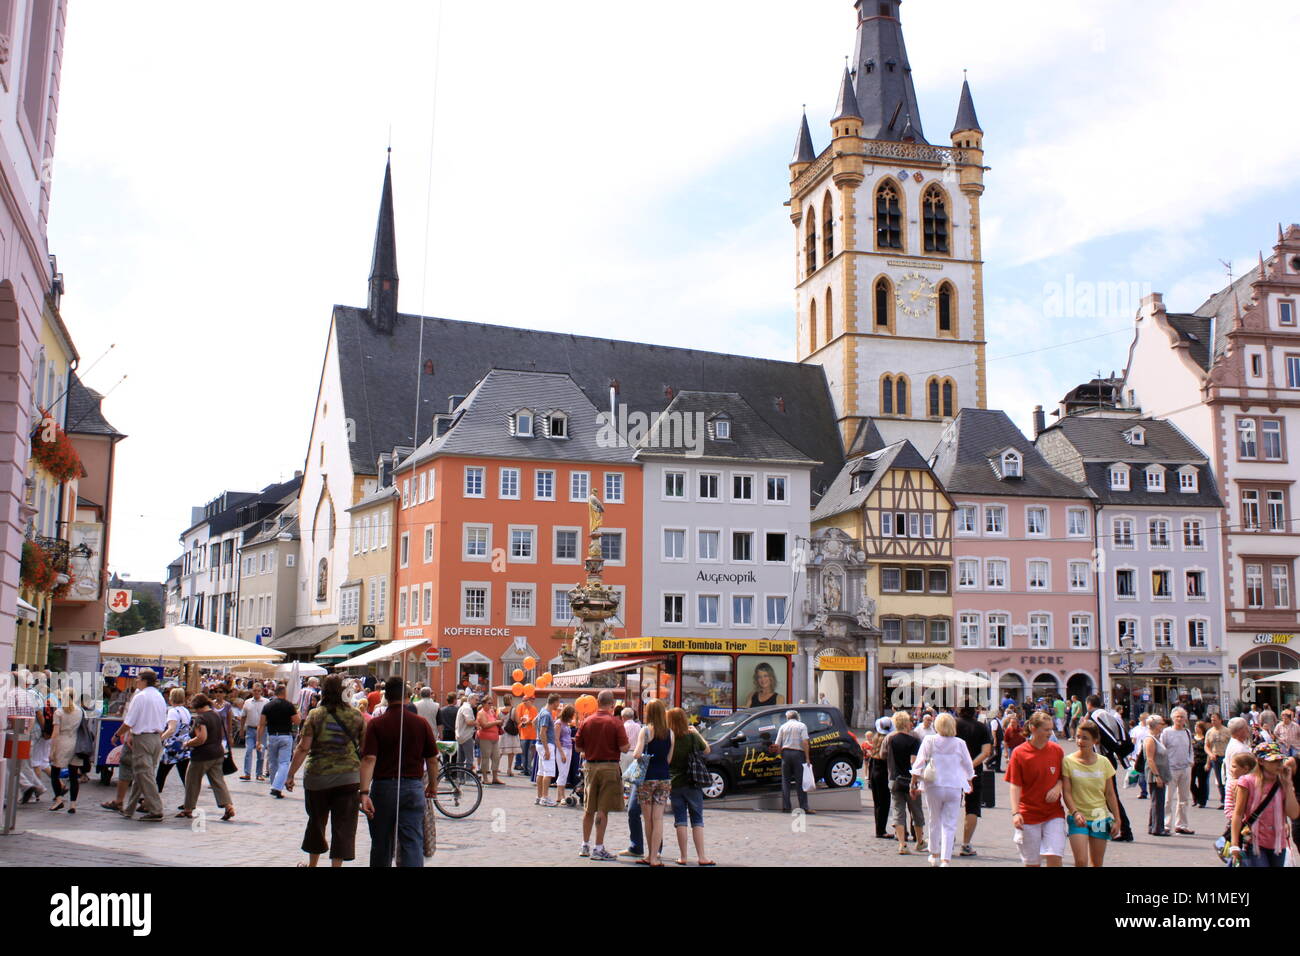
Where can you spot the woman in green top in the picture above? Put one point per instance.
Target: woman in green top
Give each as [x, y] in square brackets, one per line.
[687, 800]
[1088, 786]
[330, 743]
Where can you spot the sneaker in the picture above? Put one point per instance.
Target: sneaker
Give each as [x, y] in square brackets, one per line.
[585, 851]
[631, 852]
[152, 818]
[547, 803]
[920, 846]
[601, 855]
[933, 860]
[276, 793]
[967, 850]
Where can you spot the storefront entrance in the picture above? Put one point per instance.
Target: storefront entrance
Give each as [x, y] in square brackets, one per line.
[1264, 663]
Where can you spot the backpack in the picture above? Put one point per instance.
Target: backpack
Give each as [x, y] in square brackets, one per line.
[511, 726]
[1119, 745]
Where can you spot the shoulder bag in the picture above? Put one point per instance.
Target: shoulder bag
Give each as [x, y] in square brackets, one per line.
[635, 771]
[1223, 845]
[511, 727]
[85, 746]
[228, 765]
[697, 771]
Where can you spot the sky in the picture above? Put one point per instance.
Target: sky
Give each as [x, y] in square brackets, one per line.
[610, 169]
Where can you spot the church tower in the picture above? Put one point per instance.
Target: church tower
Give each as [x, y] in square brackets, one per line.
[382, 306]
[889, 295]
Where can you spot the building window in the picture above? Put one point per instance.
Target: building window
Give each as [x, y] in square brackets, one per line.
[722, 429]
[1039, 575]
[566, 544]
[476, 542]
[995, 578]
[1247, 447]
[473, 482]
[1286, 313]
[891, 630]
[1270, 433]
[561, 611]
[1162, 584]
[521, 606]
[1119, 478]
[742, 546]
[707, 545]
[774, 547]
[889, 219]
[1195, 585]
[707, 610]
[742, 487]
[938, 580]
[404, 549]
[1036, 521]
[968, 571]
[1077, 522]
[614, 487]
[1080, 632]
[968, 631]
[776, 489]
[1197, 634]
[940, 630]
[1080, 573]
[828, 229]
[509, 483]
[935, 220]
[474, 604]
[886, 394]
[674, 484]
[914, 630]
[428, 543]
[966, 518]
[995, 519]
[914, 580]
[1250, 510]
[1158, 534]
[949, 397]
[521, 544]
[1162, 632]
[1193, 534]
[544, 486]
[944, 303]
[673, 608]
[674, 544]
[709, 487]
[1187, 481]
[1126, 632]
[611, 545]
[579, 486]
[1126, 584]
[776, 608]
[810, 244]
[891, 580]
[1040, 630]
[557, 425]
[1010, 464]
[1155, 479]
[1280, 579]
[884, 304]
[742, 610]
[1293, 371]
[999, 630]
[1276, 510]
[1122, 533]
[1254, 586]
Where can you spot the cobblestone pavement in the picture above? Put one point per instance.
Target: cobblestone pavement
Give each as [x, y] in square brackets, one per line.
[509, 828]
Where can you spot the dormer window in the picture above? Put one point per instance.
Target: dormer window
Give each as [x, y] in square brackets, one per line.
[1011, 464]
[521, 423]
[1136, 436]
[1188, 480]
[722, 429]
[1155, 478]
[557, 425]
[1119, 477]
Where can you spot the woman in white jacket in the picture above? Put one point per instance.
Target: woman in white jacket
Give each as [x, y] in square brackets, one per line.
[943, 770]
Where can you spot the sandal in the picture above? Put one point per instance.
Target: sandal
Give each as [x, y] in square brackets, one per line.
[707, 862]
[57, 805]
[111, 805]
[246, 777]
[229, 814]
[903, 850]
[642, 862]
[184, 814]
[682, 862]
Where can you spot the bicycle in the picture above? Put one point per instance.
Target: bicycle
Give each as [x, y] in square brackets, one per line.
[459, 789]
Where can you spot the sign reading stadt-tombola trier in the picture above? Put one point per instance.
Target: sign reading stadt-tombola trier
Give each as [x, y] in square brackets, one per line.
[698, 645]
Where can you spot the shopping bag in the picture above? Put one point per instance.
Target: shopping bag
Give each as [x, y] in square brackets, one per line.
[430, 829]
[809, 780]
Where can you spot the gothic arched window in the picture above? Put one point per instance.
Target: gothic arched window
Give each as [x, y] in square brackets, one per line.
[886, 395]
[830, 317]
[812, 326]
[932, 398]
[828, 230]
[884, 304]
[810, 242]
[901, 406]
[889, 217]
[944, 304]
[949, 397]
[934, 213]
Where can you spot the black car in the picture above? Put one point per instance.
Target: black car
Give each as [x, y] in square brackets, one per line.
[738, 755]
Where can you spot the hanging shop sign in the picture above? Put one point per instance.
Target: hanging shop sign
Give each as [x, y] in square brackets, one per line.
[698, 645]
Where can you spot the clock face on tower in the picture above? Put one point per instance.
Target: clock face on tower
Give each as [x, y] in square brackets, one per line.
[914, 294]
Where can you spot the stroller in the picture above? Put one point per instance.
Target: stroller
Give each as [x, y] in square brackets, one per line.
[576, 783]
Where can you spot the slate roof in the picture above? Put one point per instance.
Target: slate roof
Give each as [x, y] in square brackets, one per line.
[84, 411]
[966, 118]
[885, 94]
[847, 104]
[840, 496]
[1097, 443]
[374, 498]
[284, 521]
[236, 516]
[1222, 306]
[962, 460]
[866, 439]
[1195, 331]
[751, 437]
[481, 426]
[379, 373]
[803, 147]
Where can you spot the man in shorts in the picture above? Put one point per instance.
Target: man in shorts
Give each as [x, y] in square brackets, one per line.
[1038, 815]
[547, 746]
[601, 740]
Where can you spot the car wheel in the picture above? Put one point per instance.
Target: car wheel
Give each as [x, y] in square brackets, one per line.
[718, 786]
[840, 772]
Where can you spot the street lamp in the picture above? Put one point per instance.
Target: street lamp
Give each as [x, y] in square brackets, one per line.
[1128, 660]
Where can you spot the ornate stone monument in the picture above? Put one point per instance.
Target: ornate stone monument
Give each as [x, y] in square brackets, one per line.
[593, 603]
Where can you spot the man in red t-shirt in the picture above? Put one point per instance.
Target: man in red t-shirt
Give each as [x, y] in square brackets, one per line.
[1037, 813]
[399, 753]
[601, 740]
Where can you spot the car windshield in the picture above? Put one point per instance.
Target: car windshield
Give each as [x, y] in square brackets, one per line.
[726, 726]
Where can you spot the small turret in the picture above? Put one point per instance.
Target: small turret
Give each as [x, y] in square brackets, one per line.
[968, 137]
[847, 120]
[804, 153]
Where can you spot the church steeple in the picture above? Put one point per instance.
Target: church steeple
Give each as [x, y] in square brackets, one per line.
[886, 97]
[383, 264]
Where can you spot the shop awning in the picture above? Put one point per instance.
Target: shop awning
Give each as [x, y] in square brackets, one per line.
[384, 652]
[581, 674]
[340, 651]
[1286, 677]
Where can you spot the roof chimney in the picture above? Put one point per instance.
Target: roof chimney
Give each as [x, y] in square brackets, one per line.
[1040, 420]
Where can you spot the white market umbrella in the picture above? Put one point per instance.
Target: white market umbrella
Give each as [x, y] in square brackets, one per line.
[939, 675]
[1286, 677]
[181, 642]
[304, 670]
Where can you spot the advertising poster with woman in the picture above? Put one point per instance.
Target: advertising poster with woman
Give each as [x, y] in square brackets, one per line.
[761, 681]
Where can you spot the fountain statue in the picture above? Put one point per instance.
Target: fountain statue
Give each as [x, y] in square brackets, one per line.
[592, 602]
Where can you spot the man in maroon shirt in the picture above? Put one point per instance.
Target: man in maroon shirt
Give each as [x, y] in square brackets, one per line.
[400, 756]
[601, 739]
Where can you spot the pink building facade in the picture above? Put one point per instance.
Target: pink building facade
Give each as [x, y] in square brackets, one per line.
[1024, 584]
[32, 32]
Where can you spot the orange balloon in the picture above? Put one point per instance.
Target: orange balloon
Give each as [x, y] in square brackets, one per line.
[663, 692]
[529, 695]
[517, 689]
[530, 663]
[530, 690]
[585, 705]
[665, 678]
[544, 680]
[517, 674]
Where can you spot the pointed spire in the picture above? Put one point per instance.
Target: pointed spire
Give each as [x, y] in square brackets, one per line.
[1262, 272]
[909, 134]
[803, 147]
[383, 263]
[967, 121]
[1280, 237]
[847, 105]
[884, 75]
